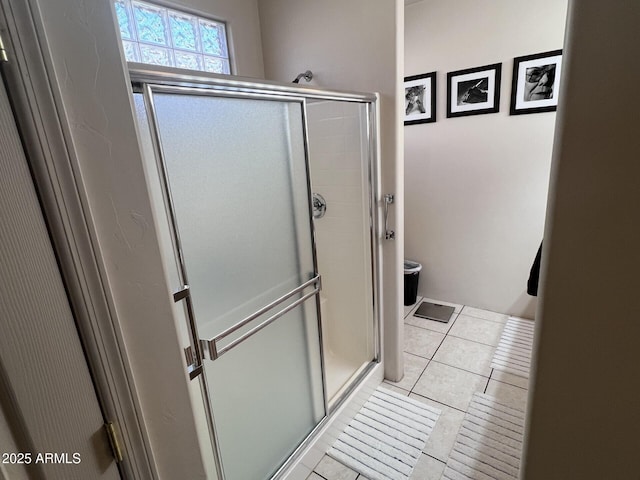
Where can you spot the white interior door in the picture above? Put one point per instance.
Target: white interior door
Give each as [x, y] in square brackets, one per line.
[48, 402]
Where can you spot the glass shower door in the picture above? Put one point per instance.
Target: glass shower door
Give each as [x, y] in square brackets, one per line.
[235, 170]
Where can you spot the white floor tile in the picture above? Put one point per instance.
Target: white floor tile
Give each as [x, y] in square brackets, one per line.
[333, 470]
[484, 314]
[449, 385]
[391, 386]
[444, 433]
[445, 364]
[420, 341]
[413, 368]
[508, 394]
[433, 325]
[300, 472]
[427, 468]
[465, 354]
[477, 330]
[314, 455]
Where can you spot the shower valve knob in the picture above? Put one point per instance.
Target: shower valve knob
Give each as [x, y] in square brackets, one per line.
[319, 205]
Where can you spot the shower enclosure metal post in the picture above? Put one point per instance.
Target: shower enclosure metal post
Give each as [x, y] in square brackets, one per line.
[375, 183]
[314, 252]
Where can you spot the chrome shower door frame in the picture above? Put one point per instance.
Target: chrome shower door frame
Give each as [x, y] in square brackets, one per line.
[147, 82]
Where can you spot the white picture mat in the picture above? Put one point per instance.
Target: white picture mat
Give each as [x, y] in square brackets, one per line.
[455, 108]
[522, 69]
[426, 100]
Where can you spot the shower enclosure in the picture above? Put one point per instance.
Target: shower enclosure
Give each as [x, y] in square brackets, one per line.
[266, 202]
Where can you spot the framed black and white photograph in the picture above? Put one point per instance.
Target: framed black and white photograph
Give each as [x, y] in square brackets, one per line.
[420, 99]
[534, 87]
[473, 91]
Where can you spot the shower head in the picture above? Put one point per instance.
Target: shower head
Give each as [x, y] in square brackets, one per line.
[308, 75]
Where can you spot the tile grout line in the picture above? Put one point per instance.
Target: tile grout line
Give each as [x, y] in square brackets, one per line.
[511, 384]
[487, 385]
[438, 348]
[502, 322]
[440, 402]
[474, 341]
[435, 458]
[418, 379]
[462, 369]
[432, 359]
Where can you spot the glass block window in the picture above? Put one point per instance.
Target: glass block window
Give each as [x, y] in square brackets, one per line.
[162, 36]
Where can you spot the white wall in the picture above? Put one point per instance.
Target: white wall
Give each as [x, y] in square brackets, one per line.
[475, 187]
[584, 417]
[350, 45]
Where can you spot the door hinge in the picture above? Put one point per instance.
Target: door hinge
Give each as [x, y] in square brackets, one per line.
[113, 441]
[3, 52]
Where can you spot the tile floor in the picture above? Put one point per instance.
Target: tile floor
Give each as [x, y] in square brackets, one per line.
[445, 364]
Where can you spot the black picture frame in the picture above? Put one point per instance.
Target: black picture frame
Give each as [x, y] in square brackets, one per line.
[420, 99]
[534, 85]
[474, 91]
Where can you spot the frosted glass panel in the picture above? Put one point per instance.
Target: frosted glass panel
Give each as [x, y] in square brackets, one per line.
[267, 395]
[236, 170]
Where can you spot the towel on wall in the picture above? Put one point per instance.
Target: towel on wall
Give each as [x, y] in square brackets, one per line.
[534, 275]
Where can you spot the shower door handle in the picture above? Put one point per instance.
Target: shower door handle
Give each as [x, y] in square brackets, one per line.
[212, 345]
[194, 355]
[388, 200]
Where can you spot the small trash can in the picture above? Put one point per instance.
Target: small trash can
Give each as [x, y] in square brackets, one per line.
[411, 275]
